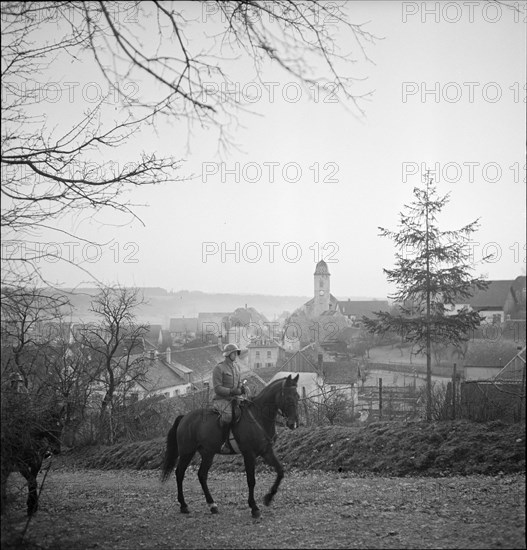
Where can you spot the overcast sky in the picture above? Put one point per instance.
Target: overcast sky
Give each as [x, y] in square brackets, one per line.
[449, 94]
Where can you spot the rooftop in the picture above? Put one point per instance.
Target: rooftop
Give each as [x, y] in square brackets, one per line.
[200, 360]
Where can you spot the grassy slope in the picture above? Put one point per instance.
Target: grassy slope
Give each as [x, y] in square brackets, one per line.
[383, 448]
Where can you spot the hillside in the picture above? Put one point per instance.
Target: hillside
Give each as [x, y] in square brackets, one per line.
[161, 305]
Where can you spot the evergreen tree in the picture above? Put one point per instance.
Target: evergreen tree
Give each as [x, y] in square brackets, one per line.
[433, 272]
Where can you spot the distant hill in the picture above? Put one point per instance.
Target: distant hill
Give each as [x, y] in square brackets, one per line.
[161, 305]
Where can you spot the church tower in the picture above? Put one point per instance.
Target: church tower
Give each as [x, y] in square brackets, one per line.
[321, 300]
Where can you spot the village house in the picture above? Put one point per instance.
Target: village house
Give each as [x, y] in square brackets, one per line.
[210, 327]
[162, 377]
[199, 361]
[318, 380]
[244, 326]
[354, 310]
[501, 301]
[183, 329]
[265, 353]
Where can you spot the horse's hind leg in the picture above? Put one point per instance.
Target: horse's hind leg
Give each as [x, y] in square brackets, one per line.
[184, 461]
[206, 462]
[271, 460]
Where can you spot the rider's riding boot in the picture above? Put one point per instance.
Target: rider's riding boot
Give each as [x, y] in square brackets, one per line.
[226, 448]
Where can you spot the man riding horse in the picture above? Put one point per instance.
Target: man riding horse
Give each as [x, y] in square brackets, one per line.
[226, 380]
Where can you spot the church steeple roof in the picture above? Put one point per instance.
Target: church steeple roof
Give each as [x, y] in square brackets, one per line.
[322, 268]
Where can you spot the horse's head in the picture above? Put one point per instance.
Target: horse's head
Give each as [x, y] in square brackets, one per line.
[288, 401]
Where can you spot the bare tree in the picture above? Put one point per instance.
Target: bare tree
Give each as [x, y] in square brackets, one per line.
[158, 61]
[26, 316]
[70, 375]
[332, 404]
[38, 358]
[116, 347]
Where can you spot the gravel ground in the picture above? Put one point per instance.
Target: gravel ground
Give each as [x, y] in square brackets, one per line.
[126, 509]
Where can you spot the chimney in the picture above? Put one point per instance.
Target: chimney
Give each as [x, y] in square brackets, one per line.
[152, 354]
[169, 354]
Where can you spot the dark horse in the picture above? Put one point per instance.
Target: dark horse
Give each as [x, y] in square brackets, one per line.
[254, 432]
[29, 435]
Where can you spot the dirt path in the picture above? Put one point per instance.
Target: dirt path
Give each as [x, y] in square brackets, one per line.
[123, 509]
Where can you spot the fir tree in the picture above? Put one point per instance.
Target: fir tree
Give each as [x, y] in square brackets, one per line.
[433, 272]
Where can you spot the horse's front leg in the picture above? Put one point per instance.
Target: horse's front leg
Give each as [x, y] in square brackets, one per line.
[3, 489]
[271, 460]
[206, 462]
[249, 460]
[32, 498]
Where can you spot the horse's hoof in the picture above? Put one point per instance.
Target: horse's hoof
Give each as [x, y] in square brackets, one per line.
[185, 510]
[268, 499]
[256, 514]
[213, 509]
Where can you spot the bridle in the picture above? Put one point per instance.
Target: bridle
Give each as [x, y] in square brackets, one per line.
[279, 410]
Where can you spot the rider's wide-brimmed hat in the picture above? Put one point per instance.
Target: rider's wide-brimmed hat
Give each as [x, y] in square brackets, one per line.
[229, 348]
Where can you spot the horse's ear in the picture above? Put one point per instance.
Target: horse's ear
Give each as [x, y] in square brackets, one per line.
[295, 379]
[288, 379]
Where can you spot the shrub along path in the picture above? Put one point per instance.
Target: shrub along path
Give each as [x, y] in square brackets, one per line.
[382, 448]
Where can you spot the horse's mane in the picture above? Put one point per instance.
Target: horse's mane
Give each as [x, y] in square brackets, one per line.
[270, 388]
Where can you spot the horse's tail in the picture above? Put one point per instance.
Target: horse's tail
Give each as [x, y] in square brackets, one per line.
[171, 453]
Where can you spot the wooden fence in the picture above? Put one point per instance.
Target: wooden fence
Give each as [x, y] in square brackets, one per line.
[485, 400]
[389, 402]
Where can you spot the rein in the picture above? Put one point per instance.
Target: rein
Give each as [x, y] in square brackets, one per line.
[269, 439]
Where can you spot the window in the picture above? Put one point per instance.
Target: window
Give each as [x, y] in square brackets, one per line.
[258, 365]
[269, 355]
[206, 385]
[268, 364]
[257, 355]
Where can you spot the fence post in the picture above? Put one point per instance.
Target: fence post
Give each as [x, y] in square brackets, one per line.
[454, 392]
[522, 396]
[380, 398]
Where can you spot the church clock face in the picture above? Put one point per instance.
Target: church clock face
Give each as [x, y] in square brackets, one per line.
[321, 293]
